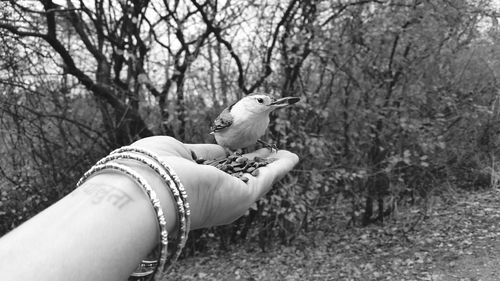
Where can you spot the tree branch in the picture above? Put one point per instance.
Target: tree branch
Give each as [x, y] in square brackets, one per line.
[78, 24]
[267, 62]
[217, 33]
[15, 30]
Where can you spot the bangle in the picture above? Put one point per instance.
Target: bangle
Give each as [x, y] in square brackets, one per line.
[177, 190]
[156, 268]
[155, 202]
[182, 218]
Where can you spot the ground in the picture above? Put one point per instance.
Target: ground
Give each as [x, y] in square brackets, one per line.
[457, 239]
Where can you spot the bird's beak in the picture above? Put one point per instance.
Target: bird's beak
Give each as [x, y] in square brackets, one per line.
[284, 102]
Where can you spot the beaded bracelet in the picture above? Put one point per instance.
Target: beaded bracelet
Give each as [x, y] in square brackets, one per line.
[181, 201]
[155, 202]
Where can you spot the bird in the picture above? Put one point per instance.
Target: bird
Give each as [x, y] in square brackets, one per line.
[244, 122]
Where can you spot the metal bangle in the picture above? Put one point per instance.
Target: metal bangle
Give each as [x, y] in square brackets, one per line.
[176, 189]
[181, 217]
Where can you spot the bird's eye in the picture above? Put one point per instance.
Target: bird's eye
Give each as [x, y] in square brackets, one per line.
[260, 100]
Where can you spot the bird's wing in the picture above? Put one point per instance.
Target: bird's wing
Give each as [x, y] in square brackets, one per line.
[224, 120]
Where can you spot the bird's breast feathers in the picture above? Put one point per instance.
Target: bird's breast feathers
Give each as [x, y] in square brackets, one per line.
[243, 132]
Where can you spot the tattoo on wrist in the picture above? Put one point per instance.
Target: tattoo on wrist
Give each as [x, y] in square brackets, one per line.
[107, 193]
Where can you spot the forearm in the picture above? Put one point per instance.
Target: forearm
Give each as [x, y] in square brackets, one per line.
[92, 234]
[101, 231]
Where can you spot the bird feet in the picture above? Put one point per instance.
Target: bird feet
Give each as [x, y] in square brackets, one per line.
[272, 147]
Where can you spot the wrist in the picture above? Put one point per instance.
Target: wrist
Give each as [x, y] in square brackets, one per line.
[147, 170]
[162, 191]
[118, 190]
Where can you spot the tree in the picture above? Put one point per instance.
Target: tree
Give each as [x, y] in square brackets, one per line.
[387, 87]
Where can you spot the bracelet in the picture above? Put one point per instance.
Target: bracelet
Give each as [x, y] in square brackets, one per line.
[177, 188]
[179, 194]
[149, 268]
[155, 202]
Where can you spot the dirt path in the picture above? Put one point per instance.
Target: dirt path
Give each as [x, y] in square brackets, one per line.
[458, 240]
[480, 265]
[479, 240]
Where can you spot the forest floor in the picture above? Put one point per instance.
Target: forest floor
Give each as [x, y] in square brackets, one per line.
[457, 239]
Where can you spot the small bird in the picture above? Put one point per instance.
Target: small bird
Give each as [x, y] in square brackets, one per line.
[243, 123]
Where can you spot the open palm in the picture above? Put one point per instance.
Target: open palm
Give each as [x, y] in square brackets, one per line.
[216, 197]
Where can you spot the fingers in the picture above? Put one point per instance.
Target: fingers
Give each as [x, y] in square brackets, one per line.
[218, 198]
[284, 163]
[207, 151]
[263, 152]
[168, 146]
[215, 197]
[164, 145]
[286, 160]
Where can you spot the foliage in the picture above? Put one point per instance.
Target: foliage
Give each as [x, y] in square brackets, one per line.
[44, 149]
[399, 100]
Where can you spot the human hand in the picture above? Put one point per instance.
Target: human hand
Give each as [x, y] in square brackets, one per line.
[216, 197]
[105, 240]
